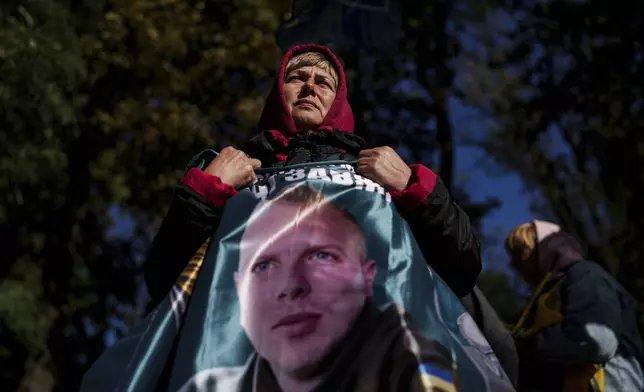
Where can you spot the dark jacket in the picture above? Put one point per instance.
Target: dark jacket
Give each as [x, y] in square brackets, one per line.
[580, 320]
[441, 228]
[495, 332]
[380, 353]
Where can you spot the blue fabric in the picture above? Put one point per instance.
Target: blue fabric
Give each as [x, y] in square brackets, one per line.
[204, 328]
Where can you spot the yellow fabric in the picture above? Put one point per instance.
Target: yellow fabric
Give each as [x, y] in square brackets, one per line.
[584, 378]
[528, 307]
[597, 382]
[188, 277]
[436, 384]
[548, 313]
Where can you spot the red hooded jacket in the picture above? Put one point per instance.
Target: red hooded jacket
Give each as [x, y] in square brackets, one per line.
[277, 120]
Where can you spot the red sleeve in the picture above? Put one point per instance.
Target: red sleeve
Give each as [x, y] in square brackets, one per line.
[421, 185]
[209, 187]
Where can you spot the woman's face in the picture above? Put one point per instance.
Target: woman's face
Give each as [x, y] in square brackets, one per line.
[524, 261]
[309, 92]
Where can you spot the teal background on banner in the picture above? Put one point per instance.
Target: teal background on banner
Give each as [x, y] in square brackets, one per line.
[177, 348]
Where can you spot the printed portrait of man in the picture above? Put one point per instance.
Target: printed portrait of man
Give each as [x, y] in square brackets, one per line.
[304, 283]
[302, 268]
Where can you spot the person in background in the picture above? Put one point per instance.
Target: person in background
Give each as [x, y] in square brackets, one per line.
[579, 331]
[307, 118]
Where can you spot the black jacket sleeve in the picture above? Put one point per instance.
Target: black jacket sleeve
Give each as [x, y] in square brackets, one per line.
[446, 239]
[591, 320]
[186, 226]
[499, 337]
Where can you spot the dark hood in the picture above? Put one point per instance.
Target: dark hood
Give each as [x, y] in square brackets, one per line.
[276, 115]
[556, 249]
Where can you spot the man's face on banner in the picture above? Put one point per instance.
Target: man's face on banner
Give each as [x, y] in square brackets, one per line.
[302, 281]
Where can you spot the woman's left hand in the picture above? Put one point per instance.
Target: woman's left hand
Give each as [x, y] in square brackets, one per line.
[384, 166]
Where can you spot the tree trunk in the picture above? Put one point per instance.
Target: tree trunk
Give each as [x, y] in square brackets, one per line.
[434, 28]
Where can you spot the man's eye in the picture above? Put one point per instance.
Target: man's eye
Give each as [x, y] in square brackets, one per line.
[262, 266]
[323, 256]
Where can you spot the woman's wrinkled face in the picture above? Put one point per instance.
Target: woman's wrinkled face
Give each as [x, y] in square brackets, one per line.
[309, 92]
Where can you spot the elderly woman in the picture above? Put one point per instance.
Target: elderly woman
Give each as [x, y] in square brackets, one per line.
[580, 327]
[307, 118]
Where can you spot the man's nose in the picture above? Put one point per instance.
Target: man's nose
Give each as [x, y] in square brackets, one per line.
[295, 285]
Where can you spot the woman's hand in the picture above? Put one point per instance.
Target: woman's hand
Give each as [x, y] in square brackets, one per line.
[384, 166]
[234, 167]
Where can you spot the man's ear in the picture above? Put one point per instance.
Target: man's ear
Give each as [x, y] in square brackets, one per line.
[369, 274]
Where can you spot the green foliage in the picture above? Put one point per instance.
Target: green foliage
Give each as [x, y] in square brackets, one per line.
[101, 112]
[39, 37]
[21, 307]
[42, 67]
[189, 71]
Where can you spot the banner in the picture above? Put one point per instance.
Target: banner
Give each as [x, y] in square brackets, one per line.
[343, 24]
[311, 271]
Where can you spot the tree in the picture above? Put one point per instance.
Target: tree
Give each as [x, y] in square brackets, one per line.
[401, 99]
[502, 294]
[561, 87]
[100, 117]
[42, 67]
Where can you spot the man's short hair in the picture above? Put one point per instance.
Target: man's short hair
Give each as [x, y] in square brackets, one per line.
[312, 59]
[521, 237]
[307, 198]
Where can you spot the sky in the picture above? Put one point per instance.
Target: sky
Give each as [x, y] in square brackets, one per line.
[472, 163]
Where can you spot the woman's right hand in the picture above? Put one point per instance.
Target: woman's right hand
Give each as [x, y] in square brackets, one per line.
[234, 167]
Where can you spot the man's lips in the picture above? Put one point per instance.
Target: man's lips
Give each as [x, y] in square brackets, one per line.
[297, 318]
[298, 325]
